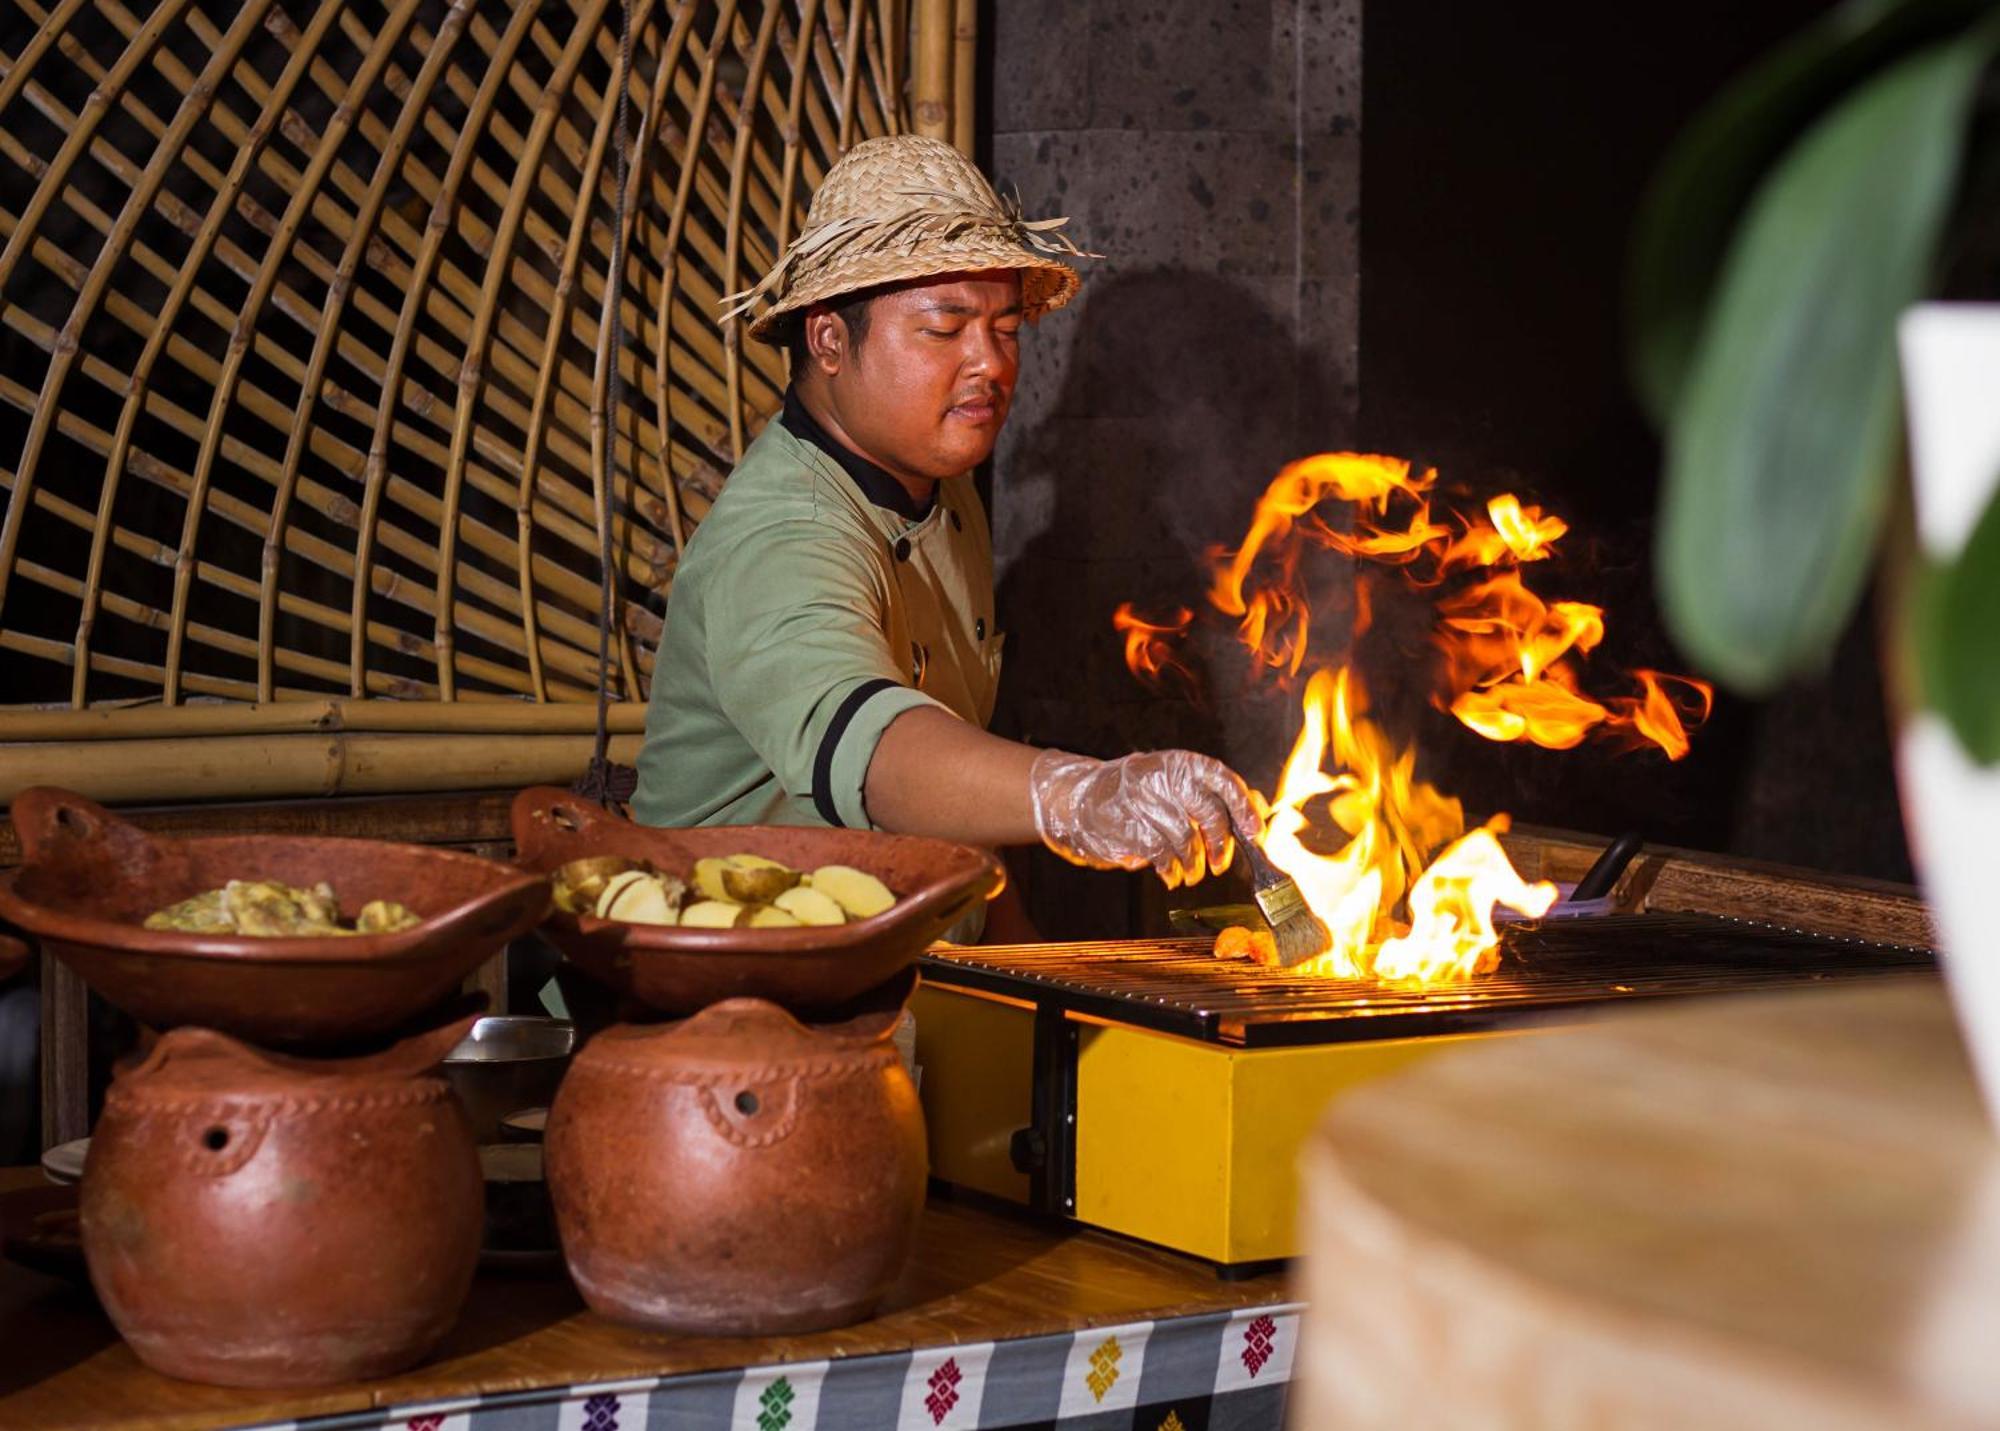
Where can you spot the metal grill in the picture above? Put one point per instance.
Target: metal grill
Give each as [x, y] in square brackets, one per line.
[1178, 987]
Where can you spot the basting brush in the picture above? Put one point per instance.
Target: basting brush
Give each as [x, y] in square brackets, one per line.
[1295, 929]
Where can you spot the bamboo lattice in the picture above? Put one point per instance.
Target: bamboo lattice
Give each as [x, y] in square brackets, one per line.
[304, 342]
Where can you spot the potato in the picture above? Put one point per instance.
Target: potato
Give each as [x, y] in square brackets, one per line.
[646, 900]
[712, 914]
[758, 862]
[755, 884]
[809, 906]
[769, 916]
[614, 887]
[860, 894]
[708, 880]
[579, 884]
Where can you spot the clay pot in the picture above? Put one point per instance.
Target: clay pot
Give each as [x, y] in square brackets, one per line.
[813, 971]
[89, 879]
[737, 1173]
[257, 1220]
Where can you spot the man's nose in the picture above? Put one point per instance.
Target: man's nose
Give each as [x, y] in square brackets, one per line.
[989, 356]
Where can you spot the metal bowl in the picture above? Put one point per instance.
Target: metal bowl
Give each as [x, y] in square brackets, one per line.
[508, 1063]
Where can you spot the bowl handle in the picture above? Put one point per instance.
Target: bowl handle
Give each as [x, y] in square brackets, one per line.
[491, 918]
[550, 822]
[52, 821]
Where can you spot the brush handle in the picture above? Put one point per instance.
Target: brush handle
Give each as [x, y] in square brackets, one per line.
[1263, 874]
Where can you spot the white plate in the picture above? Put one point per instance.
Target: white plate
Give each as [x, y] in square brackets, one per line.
[64, 1162]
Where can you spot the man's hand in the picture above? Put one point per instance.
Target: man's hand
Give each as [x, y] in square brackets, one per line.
[1171, 809]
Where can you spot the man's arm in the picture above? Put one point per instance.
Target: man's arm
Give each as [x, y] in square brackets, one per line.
[934, 774]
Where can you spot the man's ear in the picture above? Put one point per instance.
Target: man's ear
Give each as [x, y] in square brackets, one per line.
[826, 339]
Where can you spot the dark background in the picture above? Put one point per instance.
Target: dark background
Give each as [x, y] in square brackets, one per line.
[1393, 226]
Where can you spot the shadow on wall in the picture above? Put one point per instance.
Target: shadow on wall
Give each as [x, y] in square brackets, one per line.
[1178, 396]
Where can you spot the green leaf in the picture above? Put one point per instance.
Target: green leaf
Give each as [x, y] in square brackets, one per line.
[1780, 451]
[1700, 191]
[1958, 647]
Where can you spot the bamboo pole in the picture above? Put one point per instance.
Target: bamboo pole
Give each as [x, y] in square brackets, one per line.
[267, 766]
[930, 83]
[965, 77]
[207, 720]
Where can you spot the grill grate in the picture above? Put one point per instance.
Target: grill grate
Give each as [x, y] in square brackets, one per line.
[1174, 985]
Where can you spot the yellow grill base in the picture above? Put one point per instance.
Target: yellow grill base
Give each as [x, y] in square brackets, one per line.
[1183, 1143]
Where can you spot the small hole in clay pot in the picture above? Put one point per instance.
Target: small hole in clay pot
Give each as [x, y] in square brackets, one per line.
[215, 1139]
[746, 1103]
[565, 817]
[70, 819]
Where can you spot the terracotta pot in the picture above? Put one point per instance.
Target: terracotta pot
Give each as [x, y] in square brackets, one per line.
[737, 1173]
[89, 879]
[810, 971]
[256, 1220]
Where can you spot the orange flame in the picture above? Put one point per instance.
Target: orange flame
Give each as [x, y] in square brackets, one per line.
[1407, 847]
[1510, 657]
[1409, 892]
[1149, 648]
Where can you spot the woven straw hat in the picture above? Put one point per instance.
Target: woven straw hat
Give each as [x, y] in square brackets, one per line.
[903, 207]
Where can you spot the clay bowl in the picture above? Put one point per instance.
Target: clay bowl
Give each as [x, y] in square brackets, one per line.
[681, 971]
[88, 880]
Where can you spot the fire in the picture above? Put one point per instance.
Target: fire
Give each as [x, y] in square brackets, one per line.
[1407, 848]
[1149, 648]
[1384, 859]
[1510, 658]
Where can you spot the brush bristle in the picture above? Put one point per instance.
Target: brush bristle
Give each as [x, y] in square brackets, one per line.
[1300, 938]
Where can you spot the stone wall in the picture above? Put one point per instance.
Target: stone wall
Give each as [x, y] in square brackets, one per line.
[1211, 153]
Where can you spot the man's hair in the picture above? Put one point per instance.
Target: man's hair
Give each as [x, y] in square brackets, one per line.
[850, 308]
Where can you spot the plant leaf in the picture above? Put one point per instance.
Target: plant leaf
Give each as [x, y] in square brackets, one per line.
[1695, 199]
[1780, 449]
[1958, 648]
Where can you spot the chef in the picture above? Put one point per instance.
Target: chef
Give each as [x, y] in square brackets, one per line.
[830, 654]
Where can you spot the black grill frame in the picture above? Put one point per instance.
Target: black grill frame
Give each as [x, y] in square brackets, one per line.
[1548, 971]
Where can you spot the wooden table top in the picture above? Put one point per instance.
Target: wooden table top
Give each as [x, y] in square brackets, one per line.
[1770, 1211]
[978, 1274]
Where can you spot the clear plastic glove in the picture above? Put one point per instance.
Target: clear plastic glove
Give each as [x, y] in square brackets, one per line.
[1171, 809]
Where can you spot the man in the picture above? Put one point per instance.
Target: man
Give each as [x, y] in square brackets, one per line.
[830, 654]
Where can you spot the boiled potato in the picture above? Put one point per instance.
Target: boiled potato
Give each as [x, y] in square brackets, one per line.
[810, 906]
[613, 887]
[579, 884]
[708, 880]
[758, 862]
[771, 917]
[712, 914]
[755, 884]
[646, 900]
[860, 894]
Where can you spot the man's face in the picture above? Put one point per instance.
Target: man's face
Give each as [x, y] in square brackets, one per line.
[925, 392]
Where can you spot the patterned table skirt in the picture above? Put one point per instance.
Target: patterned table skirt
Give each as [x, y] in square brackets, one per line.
[1221, 1371]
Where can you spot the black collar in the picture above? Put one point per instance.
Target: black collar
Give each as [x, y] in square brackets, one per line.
[875, 484]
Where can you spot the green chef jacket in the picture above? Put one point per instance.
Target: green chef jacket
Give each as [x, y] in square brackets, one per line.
[815, 604]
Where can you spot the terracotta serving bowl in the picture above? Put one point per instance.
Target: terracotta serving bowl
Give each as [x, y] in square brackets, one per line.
[88, 880]
[680, 971]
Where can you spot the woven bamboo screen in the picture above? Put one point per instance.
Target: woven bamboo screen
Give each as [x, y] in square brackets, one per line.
[305, 362]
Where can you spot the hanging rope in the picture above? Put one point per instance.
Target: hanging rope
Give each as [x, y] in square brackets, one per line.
[602, 781]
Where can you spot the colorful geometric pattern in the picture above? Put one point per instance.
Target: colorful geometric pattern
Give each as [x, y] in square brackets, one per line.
[943, 1387]
[775, 1406]
[1221, 1369]
[1257, 1344]
[1103, 1368]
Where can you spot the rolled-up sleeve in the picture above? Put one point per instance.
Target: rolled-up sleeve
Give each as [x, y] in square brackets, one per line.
[800, 664]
